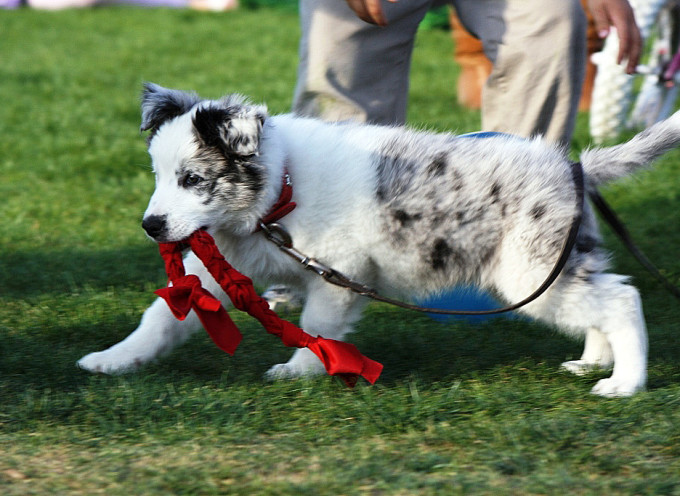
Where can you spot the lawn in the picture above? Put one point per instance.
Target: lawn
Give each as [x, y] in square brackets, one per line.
[461, 408]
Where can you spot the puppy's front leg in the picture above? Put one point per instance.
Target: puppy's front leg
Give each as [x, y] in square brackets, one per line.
[157, 334]
[328, 312]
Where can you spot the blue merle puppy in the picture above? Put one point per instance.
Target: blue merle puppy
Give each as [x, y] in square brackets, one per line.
[410, 213]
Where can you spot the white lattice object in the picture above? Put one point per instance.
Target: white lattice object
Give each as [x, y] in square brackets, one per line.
[613, 89]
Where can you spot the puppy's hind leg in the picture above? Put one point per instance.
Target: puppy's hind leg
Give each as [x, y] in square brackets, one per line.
[610, 312]
[624, 327]
[157, 334]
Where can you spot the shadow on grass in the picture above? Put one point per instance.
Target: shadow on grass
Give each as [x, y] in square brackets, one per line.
[24, 274]
[406, 344]
[197, 383]
[409, 344]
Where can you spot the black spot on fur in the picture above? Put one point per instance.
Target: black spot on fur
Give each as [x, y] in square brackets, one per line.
[440, 254]
[438, 165]
[470, 216]
[586, 244]
[436, 219]
[495, 198]
[495, 192]
[405, 219]
[253, 176]
[488, 254]
[538, 211]
[579, 272]
[457, 182]
[395, 169]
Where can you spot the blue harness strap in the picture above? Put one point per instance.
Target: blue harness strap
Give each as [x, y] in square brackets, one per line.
[487, 134]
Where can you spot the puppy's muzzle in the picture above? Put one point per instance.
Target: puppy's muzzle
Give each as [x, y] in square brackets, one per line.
[156, 226]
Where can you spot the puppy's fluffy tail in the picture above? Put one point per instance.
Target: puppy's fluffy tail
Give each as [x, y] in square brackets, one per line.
[606, 164]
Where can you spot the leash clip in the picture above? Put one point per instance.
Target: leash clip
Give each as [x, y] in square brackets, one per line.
[277, 234]
[280, 236]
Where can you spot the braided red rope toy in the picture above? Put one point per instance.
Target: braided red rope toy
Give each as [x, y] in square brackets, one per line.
[186, 293]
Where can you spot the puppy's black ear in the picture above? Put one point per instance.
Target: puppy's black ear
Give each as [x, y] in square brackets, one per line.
[161, 104]
[234, 129]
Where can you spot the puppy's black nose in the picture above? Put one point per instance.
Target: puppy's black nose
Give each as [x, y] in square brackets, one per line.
[155, 225]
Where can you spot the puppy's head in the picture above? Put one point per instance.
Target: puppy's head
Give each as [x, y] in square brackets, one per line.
[205, 154]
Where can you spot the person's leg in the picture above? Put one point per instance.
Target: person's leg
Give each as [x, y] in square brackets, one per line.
[538, 48]
[350, 69]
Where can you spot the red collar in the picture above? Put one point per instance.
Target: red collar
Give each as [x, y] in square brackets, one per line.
[283, 205]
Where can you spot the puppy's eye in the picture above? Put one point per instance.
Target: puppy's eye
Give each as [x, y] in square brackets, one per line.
[192, 180]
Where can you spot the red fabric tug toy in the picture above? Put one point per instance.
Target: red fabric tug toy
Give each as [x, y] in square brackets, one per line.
[186, 293]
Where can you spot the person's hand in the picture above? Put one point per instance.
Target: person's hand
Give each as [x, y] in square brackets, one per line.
[369, 11]
[619, 15]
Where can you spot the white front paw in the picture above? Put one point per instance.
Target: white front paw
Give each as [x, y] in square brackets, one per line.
[286, 371]
[613, 388]
[108, 362]
[279, 371]
[581, 367]
[301, 365]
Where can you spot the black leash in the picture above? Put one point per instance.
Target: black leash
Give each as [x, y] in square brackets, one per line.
[277, 234]
[620, 230]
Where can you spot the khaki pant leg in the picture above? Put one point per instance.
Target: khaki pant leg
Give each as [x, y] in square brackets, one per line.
[539, 52]
[349, 69]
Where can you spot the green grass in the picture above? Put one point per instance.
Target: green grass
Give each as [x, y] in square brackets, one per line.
[460, 409]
